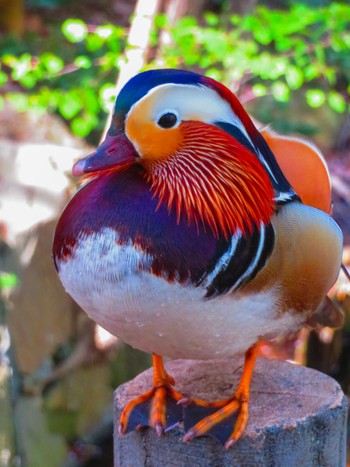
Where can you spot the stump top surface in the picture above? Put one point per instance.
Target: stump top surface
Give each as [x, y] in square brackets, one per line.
[282, 394]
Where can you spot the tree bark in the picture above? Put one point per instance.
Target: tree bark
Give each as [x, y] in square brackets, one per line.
[297, 417]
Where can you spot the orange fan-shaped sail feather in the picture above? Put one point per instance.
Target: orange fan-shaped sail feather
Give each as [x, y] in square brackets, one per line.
[304, 167]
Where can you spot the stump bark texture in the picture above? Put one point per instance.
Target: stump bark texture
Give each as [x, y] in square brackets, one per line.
[297, 417]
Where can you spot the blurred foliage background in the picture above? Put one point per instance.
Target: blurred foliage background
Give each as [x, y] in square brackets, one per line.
[69, 66]
[62, 63]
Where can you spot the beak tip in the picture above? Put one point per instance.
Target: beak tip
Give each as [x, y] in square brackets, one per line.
[113, 152]
[78, 168]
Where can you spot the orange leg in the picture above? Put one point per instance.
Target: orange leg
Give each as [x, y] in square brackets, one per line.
[238, 404]
[153, 408]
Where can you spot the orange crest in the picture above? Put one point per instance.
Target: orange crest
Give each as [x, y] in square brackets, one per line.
[213, 180]
[304, 167]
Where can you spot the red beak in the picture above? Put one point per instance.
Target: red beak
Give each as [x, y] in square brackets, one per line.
[113, 152]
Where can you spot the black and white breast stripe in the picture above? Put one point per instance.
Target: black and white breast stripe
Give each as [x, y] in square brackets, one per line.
[240, 263]
[284, 193]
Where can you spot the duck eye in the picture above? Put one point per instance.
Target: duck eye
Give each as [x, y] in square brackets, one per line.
[167, 120]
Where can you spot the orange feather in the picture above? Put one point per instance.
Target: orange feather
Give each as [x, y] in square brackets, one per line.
[213, 180]
[304, 167]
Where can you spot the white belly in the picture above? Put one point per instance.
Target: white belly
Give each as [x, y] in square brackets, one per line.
[113, 285]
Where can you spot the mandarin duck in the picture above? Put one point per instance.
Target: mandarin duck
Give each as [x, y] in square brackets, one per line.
[188, 240]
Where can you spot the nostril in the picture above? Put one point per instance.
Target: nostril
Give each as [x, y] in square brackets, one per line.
[111, 149]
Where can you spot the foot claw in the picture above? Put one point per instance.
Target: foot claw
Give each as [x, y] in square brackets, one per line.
[159, 429]
[157, 408]
[230, 443]
[225, 420]
[189, 436]
[226, 424]
[185, 402]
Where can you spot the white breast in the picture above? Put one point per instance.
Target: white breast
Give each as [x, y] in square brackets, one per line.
[112, 283]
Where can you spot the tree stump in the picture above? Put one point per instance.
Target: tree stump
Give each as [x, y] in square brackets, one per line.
[297, 417]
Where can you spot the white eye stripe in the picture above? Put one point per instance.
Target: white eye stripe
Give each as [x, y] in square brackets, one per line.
[189, 102]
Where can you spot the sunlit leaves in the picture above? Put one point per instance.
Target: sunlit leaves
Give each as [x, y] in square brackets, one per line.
[315, 97]
[3, 78]
[75, 30]
[83, 61]
[105, 31]
[22, 66]
[283, 50]
[94, 42]
[336, 101]
[28, 80]
[211, 19]
[294, 77]
[52, 63]
[280, 91]
[262, 35]
[259, 90]
[70, 104]
[71, 80]
[107, 96]
[8, 280]
[272, 52]
[19, 101]
[83, 125]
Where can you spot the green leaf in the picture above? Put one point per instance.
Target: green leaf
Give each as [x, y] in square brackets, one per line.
[35, 103]
[213, 73]
[8, 280]
[283, 44]
[315, 97]
[311, 72]
[336, 101]
[280, 91]
[104, 31]
[346, 39]
[75, 30]
[92, 104]
[70, 104]
[161, 21]
[82, 126]
[82, 61]
[235, 20]
[21, 66]
[294, 77]
[52, 63]
[28, 81]
[211, 19]
[263, 36]
[107, 96]
[94, 42]
[3, 78]
[9, 60]
[186, 22]
[259, 90]
[110, 60]
[250, 23]
[114, 45]
[19, 101]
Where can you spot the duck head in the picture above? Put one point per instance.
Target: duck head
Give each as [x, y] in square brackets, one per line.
[200, 151]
